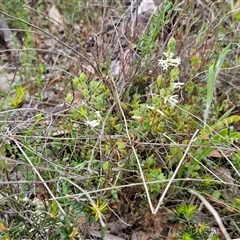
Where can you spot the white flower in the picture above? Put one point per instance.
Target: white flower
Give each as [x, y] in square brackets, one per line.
[137, 117]
[178, 85]
[172, 100]
[149, 107]
[160, 112]
[98, 114]
[153, 108]
[170, 61]
[92, 124]
[95, 122]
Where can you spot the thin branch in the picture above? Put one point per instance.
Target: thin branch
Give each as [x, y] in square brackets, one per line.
[160, 202]
[38, 174]
[89, 199]
[214, 213]
[133, 149]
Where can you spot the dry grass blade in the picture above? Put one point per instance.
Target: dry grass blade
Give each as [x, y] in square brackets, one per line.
[113, 112]
[176, 171]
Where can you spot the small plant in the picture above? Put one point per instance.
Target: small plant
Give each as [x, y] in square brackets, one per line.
[167, 131]
[191, 227]
[186, 212]
[19, 97]
[98, 209]
[211, 80]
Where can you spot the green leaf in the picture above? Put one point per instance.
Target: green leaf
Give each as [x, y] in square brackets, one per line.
[202, 154]
[221, 134]
[211, 80]
[105, 166]
[235, 136]
[186, 211]
[226, 114]
[226, 122]
[195, 60]
[187, 236]
[54, 209]
[174, 74]
[69, 97]
[114, 193]
[236, 202]
[19, 97]
[216, 194]
[171, 44]
[121, 145]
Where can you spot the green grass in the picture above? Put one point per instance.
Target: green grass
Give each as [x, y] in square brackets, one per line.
[170, 140]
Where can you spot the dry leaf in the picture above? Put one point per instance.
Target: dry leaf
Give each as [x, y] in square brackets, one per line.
[236, 8]
[218, 154]
[56, 18]
[54, 14]
[4, 87]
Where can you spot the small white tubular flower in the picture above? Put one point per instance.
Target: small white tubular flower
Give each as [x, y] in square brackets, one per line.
[173, 100]
[137, 117]
[178, 85]
[163, 63]
[149, 107]
[160, 112]
[175, 62]
[95, 122]
[98, 114]
[170, 61]
[153, 108]
[92, 124]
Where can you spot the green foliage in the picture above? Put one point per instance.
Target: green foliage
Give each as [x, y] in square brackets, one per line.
[98, 209]
[186, 236]
[17, 9]
[153, 173]
[102, 149]
[186, 212]
[147, 42]
[211, 79]
[19, 97]
[191, 227]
